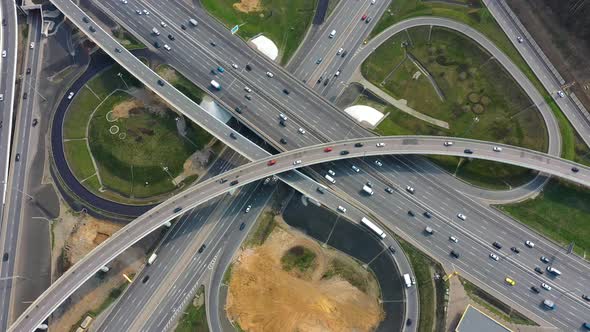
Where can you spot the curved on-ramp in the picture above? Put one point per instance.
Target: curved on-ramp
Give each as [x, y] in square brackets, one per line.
[554, 135]
[63, 287]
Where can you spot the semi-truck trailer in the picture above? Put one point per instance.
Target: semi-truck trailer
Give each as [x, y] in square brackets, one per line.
[407, 280]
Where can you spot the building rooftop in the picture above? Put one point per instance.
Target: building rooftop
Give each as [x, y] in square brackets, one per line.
[474, 320]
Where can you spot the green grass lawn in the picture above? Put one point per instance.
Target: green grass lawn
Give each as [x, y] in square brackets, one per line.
[298, 257]
[194, 318]
[285, 22]
[560, 212]
[180, 82]
[107, 81]
[481, 100]
[126, 39]
[79, 159]
[150, 141]
[92, 184]
[77, 114]
[265, 225]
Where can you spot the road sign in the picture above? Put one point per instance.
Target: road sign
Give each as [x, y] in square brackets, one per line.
[235, 29]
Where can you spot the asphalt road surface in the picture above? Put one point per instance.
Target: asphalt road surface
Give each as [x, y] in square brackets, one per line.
[209, 189]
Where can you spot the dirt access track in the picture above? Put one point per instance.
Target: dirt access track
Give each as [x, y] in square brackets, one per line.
[264, 297]
[248, 6]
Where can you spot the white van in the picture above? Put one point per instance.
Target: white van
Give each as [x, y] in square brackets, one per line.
[329, 178]
[553, 270]
[332, 34]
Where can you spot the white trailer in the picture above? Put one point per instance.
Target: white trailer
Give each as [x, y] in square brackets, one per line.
[216, 85]
[152, 259]
[373, 227]
[368, 190]
[407, 280]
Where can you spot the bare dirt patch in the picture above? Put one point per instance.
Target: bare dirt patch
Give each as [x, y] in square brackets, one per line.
[264, 297]
[121, 110]
[248, 6]
[168, 74]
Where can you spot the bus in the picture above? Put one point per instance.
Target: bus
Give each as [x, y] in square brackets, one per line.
[407, 280]
[373, 227]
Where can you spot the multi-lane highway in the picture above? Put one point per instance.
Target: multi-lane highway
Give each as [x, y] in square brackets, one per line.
[243, 175]
[17, 197]
[8, 43]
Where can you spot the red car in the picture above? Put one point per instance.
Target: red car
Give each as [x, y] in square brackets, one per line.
[364, 17]
[271, 162]
[328, 149]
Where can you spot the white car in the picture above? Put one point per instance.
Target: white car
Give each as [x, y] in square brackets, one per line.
[453, 239]
[340, 51]
[32, 45]
[560, 94]
[71, 95]
[497, 149]
[234, 65]
[163, 24]
[297, 162]
[166, 47]
[519, 39]
[145, 11]
[494, 257]
[269, 74]
[372, 2]
[410, 189]
[4, 53]
[448, 143]
[138, 11]
[247, 89]
[301, 131]
[380, 145]
[529, 244]
[356, 169]
[337, 73]
[378, 163]
[413, 280]
[248, 208]
[331, 172]
[1, 97]
[124, 2]
[546, 287]
[461, 216]
[341, 209]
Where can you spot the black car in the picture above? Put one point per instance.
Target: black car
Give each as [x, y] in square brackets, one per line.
[233, 183]
[92, 29]
[538, 270]
[212, 43]
[157, 44]
[248, 67]
[344, 54]
[25, 95]
[283, 141]
[28, 71]
[178, 209]
[286, 91]
[326, 81]
[160, 83]
[586, 297]
[17, 157]
[344, 153]
[145, 279]
[183, 27]
[171, 37]
[5, 257]
[202, 248]
[238, 110]
[411, 213]
[4, 22]
[515, 250]
[35, 121]
[118, 50]
[535, 289]
[455, 254]
[427, 214]
[282, 123]
[575, 169]
[468, 151]
[249, 97]
[392, 249]
[242, 226]
[497, 245]
[320, 190]
[85, 19]
[320, 79]
[358, 145]
[544, 259]
[232, 135]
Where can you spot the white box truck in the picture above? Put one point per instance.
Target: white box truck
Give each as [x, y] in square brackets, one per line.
[216, 85]
[407, 280]
[368, 190]
[152, 259]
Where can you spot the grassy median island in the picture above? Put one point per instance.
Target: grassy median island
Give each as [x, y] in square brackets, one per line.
[285, 22]
[447, 76]
[142, 150]
[194, 318]
[561, 212]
